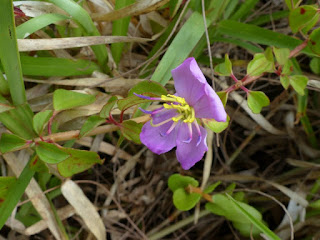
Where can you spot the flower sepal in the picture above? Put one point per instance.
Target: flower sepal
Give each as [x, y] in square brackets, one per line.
[216, 126]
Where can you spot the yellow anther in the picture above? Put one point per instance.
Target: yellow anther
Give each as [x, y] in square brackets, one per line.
[186, 112]
[176, 119]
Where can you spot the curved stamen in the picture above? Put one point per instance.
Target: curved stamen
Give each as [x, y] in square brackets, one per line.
[151, 112]
[161, 123]
[190, 133]
[147, 97]
[174, 124]
[199, 132]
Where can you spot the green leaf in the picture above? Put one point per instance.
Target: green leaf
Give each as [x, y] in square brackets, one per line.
[301, 16]
[174, 6]
[299, 83]
[216, 126]
[13, 196]
[120, 28]
[105, 111]
[252, 33]
[82, 17]
[211, 187]
[285, 81]
[131, 130]
[11, 142]
[254, 217]
[224, 69]
[281, 54]
[9, 54]
[257, 100]
[223, 206]
[78, 161]
[287, 68]
[177, 181]
[50, 153]
[314, 41]
[50, 66]
[37, 23]
[91, 123]
[259, 64]
[223, 95]
[64, 99]
[192, 30]
[147, 86]
[40, 120]
[19, 121]
[315, 65]
[185, 201]
[37, 165]
[5, 184]
[124, 104]
[289, 3]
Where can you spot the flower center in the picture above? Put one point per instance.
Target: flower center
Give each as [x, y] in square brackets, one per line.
[186, 112]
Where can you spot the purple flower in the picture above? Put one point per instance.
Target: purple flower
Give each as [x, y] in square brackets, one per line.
[176, 124]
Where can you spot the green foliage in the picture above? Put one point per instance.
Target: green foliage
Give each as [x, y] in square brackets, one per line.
[177, 181]
[84, 20]
[37, 23]
[299, 83]
[147, 86]
[50, 66]
[131, 130]
[315, 65]
[5, 184]
[40, 120]
[50, 153]
[124, 104]
[257, 100]
[302, 16]
[281, 54]
[260, 64]
[78, 161]
[224, 69]
[120, 28]
[91, 123]
[64, 99]
[314, 41]
[105, 111]
[216, 126]
[244, 217]
[37, 165]
[183, 200]
[223, 95]
[10, 142]
[211, 187]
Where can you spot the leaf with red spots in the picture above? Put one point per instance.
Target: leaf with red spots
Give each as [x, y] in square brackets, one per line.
[5, 184]
[78, 161]
[303, 16]
[314, 41]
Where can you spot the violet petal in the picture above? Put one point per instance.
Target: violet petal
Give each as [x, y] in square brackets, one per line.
[189, 81]
[210, 106]
[154, 138]
[188, 154]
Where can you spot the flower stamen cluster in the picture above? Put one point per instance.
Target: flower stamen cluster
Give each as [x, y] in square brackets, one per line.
[176, 123]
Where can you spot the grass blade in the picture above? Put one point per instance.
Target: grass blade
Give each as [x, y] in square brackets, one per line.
[35, 24]
[9, 54]
[15, 193]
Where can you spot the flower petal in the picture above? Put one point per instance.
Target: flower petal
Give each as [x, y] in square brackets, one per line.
[188, 154]
[154, 137]
[189, 81]
[210, 106]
